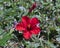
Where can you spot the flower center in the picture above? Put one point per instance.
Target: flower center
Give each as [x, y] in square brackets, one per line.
[29, 27]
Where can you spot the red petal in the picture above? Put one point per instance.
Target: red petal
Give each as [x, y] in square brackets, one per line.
[34, 21]
[25, 20]
[27, 35]
[20, 26]
[35, 30]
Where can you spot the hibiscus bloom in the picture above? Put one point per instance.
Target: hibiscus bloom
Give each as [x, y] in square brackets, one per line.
[28, 26]
[33, 7]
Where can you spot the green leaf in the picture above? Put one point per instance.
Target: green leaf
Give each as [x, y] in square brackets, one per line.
[5, 38]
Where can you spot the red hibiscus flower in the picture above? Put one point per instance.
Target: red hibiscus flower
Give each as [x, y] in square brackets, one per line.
[33, 7]
[28, 27]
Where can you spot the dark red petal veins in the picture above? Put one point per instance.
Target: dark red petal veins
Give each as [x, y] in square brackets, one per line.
[20, 27]
[27, 35]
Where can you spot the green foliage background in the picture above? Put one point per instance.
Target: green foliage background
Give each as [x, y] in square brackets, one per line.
[48, 12]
